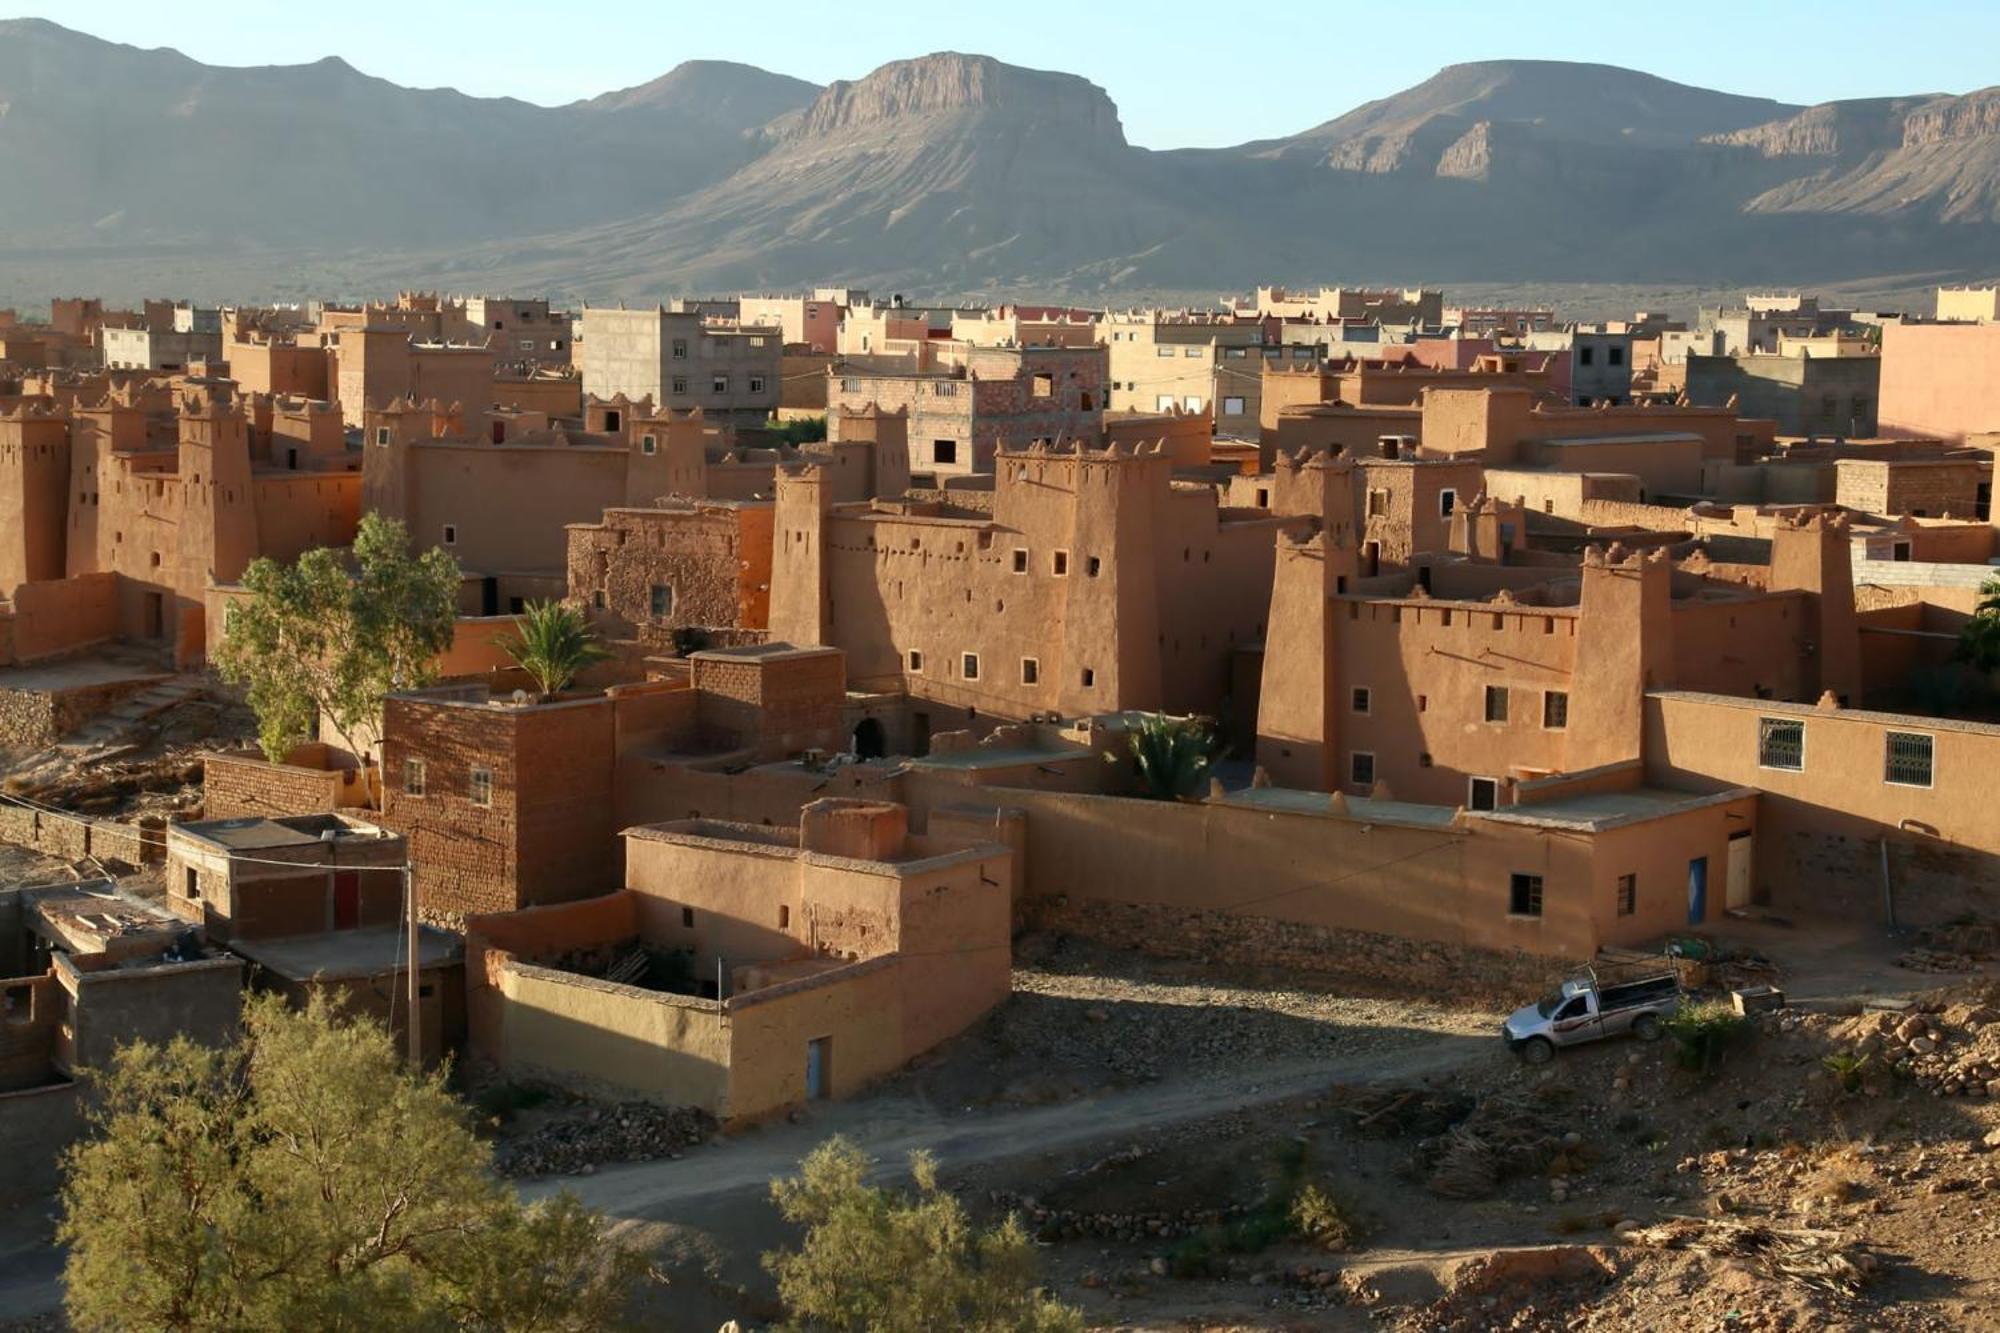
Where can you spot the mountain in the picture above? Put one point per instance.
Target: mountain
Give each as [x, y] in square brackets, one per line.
[108, 144]
[954, 173]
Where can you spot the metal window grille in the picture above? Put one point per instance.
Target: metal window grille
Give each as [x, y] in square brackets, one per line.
[1628, 894]
[1781, 743]
[1496, 702]
[1555, 710]
[1361, 768]
[1524, 897]
[1907, 758]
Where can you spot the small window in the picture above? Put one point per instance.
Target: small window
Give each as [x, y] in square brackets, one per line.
[662, 601]
[1584, 355]
[1359, 698]
[1361, 768]
[479, 785]
[1045, 386]
[944, 389]
[1907, 758]
[1165, 351]
[1378, 503]
[1020, 559]
[1059, 564]
[968, 665]
[784, 917]
[597, 599]
[192, 885]
[1524, 895]
[916, 658]
[1482, 794]
[1781, 743]
[756, 384]
[1496, 703]
[1192, 402]
[1089, 678]
[680, 349]
[719, 383]
[1447, 502]
[1232, 407]
[382, 435]
[944, 451]
[1628, 894]
[612, 421]
[1092, 565]
[451, 534]
[687, 918]
[1614, 356]
[1031, 671]
[1555, 709]
[649, 444]
[680, 384]
[413, 777]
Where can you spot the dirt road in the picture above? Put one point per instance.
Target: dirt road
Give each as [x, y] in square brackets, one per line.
[888, 1130]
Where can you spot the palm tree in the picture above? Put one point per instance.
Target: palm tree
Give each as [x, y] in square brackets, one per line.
[1172, 754]
[552, 643]
[1979, 639]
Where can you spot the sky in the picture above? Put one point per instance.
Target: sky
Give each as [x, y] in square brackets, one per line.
[1184, 73]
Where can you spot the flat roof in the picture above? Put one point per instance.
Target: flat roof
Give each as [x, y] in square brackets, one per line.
[368, 952]
[1294, 800]
[1655, 437]
[255, 832]
[1597, 811]
[1001, 756]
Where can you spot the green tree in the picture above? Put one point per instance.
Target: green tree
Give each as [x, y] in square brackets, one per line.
[305, 1178]
[799, 430]
[1979, 637]
[552, 642]
[874, 1261]
[1173, 755]
[316, 640]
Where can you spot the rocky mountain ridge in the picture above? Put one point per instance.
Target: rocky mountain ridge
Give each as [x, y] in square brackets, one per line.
[960, 172]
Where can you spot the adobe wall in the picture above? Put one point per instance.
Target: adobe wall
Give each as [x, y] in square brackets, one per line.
[200, 1000]
[35, 1010]
[61, 616]
[857, 1009]
[1821, 830]
[597, 1036]
[36, 1124]
[1937, 380]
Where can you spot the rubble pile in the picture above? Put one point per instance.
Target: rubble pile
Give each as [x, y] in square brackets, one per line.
[586, 1136]
[1953, 1050]
[1960, 946]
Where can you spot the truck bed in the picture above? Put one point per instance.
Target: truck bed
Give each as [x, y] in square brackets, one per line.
[1648, 990]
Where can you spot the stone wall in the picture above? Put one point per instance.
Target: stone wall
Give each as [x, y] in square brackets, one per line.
[32, 719]
[1252, 941]
[36, 1124]
[238, 785]
[73, 837]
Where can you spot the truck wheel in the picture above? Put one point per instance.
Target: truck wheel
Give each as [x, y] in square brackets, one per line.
[1538, 1050]
[1646, 1027]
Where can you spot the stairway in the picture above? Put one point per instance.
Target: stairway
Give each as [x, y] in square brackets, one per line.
[120, 727]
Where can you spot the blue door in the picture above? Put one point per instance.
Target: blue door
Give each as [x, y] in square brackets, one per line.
[1697, 890]
[816, 1068]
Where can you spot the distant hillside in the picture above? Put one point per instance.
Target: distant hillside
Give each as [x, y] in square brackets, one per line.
[956, 172]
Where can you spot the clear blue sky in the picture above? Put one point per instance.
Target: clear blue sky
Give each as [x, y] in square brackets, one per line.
[1183, 73]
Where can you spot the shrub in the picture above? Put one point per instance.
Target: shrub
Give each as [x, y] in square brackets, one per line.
[1702, 1033]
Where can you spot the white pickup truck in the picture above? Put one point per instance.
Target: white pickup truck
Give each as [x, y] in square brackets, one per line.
[1584, 1010]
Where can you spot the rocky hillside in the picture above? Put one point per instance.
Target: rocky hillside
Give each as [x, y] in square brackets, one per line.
[958, 173]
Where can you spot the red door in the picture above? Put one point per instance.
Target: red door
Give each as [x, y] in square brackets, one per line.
[346, 899]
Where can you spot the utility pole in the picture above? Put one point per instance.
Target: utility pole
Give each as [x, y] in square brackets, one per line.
[416, 1025]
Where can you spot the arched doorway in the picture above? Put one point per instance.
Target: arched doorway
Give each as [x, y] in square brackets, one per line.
[869, 742]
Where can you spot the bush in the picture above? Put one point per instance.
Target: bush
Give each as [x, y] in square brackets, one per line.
[1702, 1034]
[1848, 1069]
